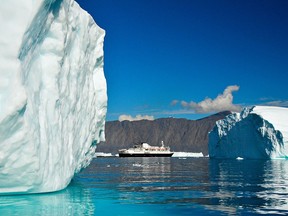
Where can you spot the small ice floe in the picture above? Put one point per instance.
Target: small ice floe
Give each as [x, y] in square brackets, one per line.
[140, 165]
[102, 154]
[187, 154]
[239, 158]
[137, 165]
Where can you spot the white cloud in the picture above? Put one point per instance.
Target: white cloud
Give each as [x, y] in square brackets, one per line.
[222, 102]
[136, 118]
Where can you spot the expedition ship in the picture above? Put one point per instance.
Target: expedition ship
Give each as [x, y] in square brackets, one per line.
[145, 150]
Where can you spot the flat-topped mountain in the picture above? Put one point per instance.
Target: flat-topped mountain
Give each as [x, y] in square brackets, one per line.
[180, 135]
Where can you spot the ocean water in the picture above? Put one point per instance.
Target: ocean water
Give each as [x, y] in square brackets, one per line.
[164, 186]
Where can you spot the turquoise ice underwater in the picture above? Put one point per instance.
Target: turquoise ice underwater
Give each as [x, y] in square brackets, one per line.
[164, 186]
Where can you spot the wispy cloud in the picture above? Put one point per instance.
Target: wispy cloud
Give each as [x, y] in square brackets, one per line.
[174, 102]
[136, 118]
[222, 102]
[281, 103]
[270, 101]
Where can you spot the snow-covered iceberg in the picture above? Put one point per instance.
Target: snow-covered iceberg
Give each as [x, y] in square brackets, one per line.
[52, 93]
[260, 132]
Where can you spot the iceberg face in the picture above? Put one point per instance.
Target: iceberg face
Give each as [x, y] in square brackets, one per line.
[52, 93]
[260, 132]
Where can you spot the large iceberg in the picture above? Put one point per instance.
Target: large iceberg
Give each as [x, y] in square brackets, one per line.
[53, 96]
[259, 132]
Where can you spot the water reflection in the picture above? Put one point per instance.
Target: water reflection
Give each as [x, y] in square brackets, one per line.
[74, 200]
[258, 186]
[153, 180]
[144, 171]
[223, 186]
[275, 186]
[164, 186]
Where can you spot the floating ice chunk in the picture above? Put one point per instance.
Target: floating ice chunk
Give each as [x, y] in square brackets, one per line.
[187, 154]
[102, 154]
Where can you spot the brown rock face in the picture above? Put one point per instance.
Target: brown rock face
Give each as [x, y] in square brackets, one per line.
[179, 134]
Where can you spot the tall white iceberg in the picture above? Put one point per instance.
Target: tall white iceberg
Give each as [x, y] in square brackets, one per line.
[260, 132]
[53, 96]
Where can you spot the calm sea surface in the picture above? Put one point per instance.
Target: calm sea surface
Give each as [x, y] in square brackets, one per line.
[164, 186]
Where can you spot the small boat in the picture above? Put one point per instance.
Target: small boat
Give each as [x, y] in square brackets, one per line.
[145, 150]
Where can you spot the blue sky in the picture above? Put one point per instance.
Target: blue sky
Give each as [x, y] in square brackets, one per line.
[187, 52]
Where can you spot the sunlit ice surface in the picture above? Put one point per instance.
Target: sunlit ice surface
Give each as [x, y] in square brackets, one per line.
[52, 94]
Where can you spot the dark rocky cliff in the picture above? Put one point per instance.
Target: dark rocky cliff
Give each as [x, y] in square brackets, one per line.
[180, 134]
